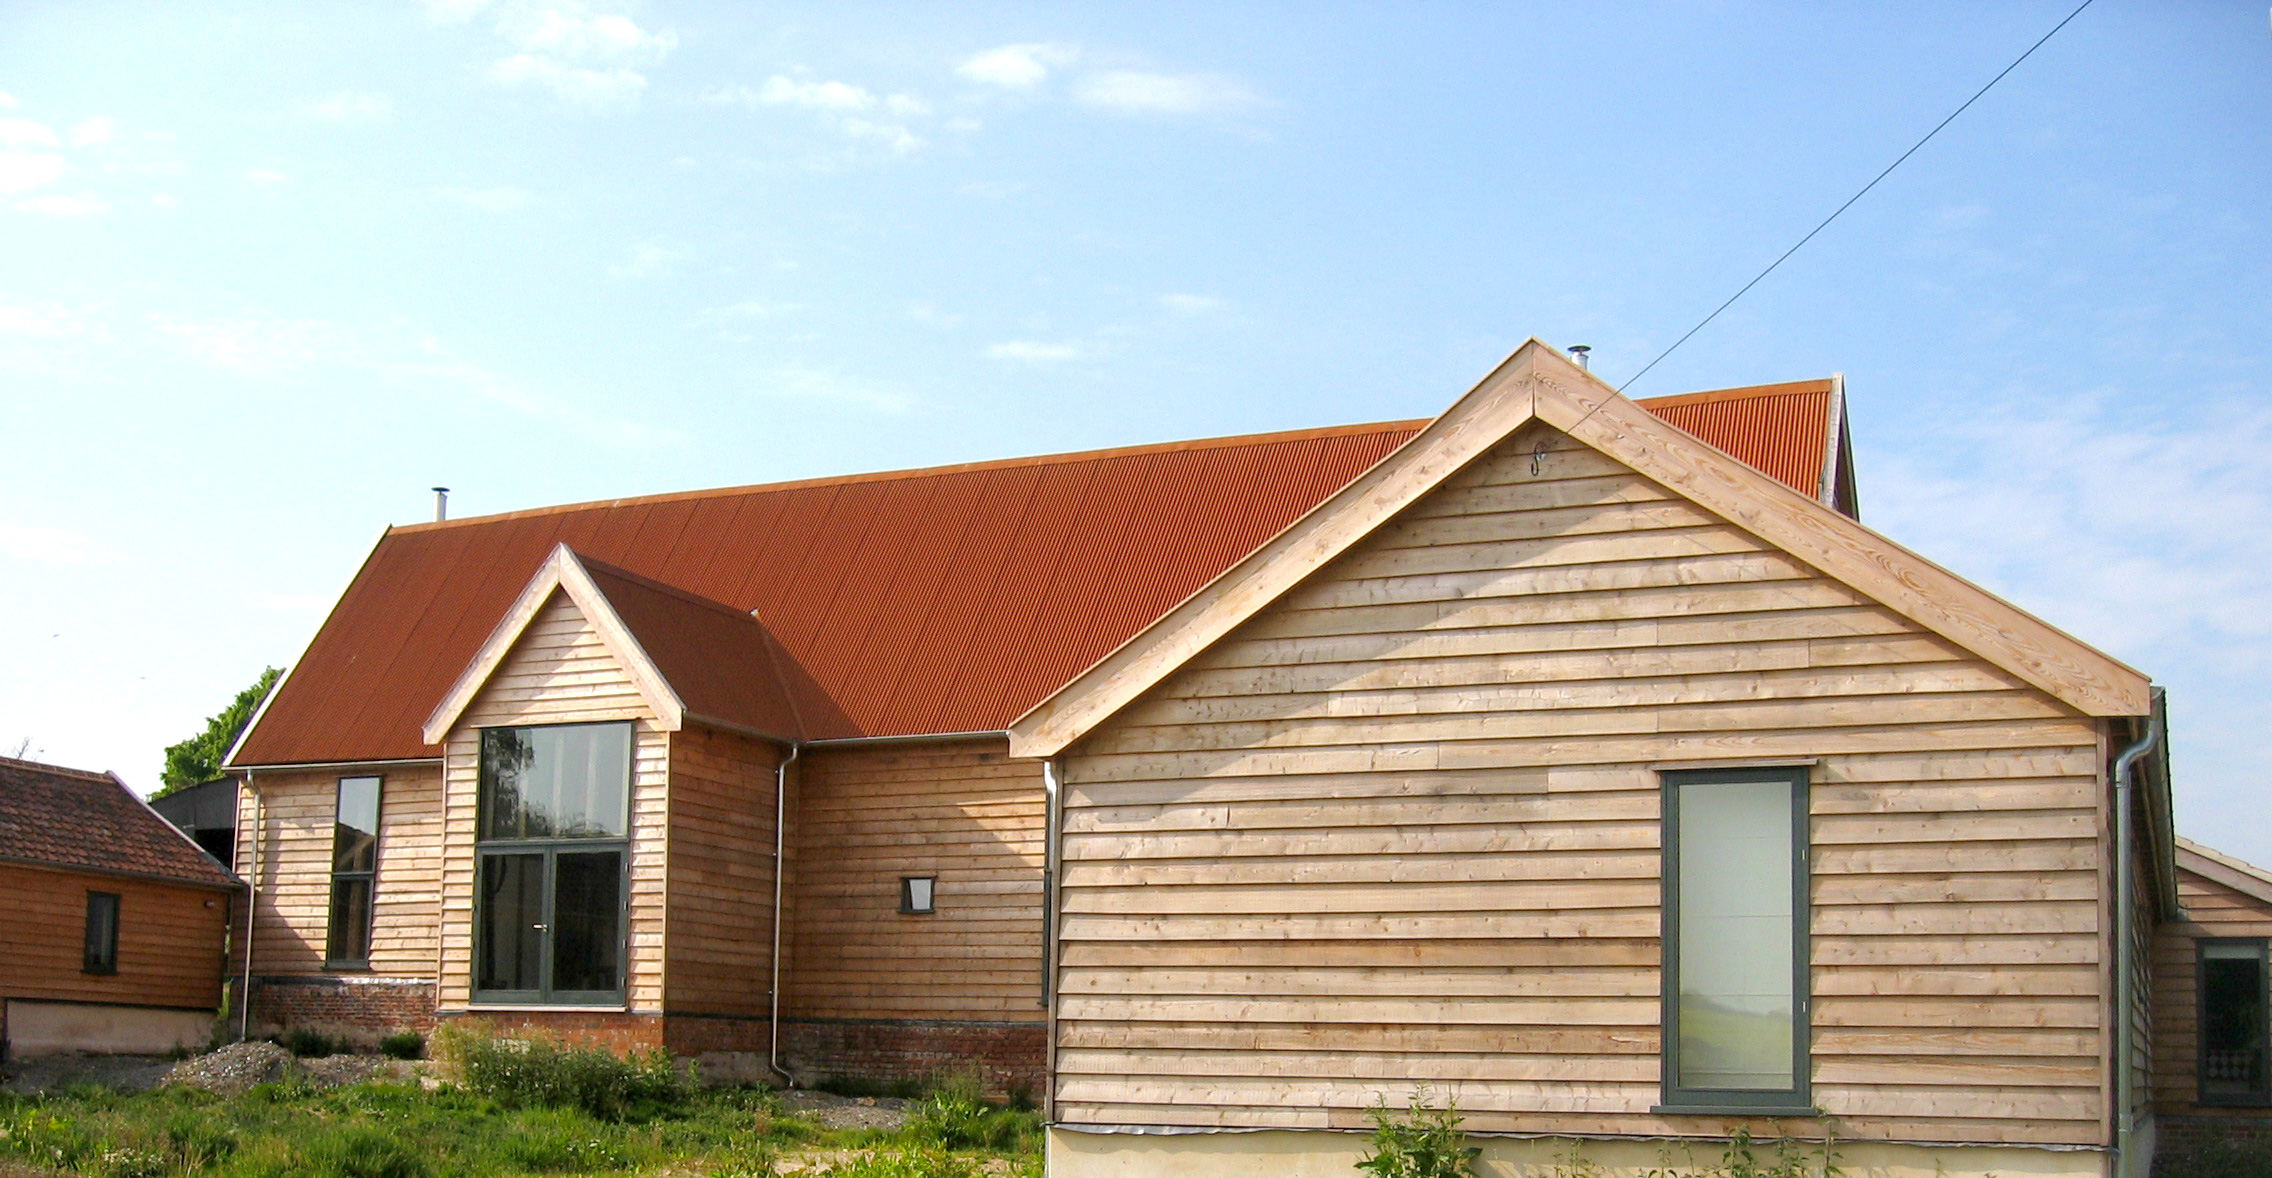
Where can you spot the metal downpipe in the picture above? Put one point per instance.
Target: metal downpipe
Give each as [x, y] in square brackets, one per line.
[780, 871]
[2125, 916]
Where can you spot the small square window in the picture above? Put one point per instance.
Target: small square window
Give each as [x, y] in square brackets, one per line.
[916, 893]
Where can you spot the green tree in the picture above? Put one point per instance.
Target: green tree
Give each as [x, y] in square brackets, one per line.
[199, 758]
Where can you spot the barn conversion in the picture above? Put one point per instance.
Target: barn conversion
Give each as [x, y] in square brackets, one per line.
[1583, 758]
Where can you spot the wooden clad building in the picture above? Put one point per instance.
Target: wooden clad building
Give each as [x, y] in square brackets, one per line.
[1583, 760]
[119, 924]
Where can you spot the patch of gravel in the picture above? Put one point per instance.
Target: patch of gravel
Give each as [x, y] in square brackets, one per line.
[847, 1112]
[237, 1068]
[53, 1073]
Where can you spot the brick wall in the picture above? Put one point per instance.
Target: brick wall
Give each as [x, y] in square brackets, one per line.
[2176, 1137]
[358, 1009]
[621, 1033]
[1010, 1058]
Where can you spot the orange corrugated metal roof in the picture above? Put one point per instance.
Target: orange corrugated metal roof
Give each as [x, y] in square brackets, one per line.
[942, 600]
[720, 661]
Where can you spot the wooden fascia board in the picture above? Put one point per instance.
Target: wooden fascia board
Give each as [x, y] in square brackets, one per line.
[2220, 868]
[2045, 657]
[561, 572]
[1498, 405]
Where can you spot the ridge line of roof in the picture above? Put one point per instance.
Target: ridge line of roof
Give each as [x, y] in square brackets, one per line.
[84, 774]
[663, 587]
[1137, 451]
[1789, 388]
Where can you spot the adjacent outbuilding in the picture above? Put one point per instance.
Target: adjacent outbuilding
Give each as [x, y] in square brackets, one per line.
[118, 923]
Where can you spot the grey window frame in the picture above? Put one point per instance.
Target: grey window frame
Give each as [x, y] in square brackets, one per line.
[331, 957]
[1796, 1100]
[2263, 1096]
[551, 849]
[102, 959]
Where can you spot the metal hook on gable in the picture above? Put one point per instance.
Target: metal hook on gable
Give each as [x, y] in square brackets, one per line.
[1538, 459]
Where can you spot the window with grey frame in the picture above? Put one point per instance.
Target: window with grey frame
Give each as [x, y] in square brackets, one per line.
[2235, 1012]
[354, 873]
[1736, 1022]
[553, 827]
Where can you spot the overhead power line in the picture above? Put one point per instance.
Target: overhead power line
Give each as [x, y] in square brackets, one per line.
[1857, 196]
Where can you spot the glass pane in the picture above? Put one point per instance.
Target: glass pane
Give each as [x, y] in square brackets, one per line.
[1735, 935]
[571, 781]
[102, 932]
[512, 923]
[2232, 1022]
[587, 918]
[350, 921]
[355, 832]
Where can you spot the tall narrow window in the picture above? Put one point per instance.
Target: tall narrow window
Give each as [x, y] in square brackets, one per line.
[1735, 928]
[354, 871]
[553, 827]
[2234, 1008]
[102, 933]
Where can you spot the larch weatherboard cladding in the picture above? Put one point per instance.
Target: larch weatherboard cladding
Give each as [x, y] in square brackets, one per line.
[1404, 826]
[719, 935]
[2212, 909]
[169, 940]
[297, 809]
[559, 673]
[962, 811]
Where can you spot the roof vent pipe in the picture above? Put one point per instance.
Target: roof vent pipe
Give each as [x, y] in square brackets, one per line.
[441, 504]
[1578, 353]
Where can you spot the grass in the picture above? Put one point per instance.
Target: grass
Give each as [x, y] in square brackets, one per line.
[404, 1131]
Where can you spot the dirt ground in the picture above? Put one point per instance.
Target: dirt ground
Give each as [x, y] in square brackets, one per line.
[124, 1073]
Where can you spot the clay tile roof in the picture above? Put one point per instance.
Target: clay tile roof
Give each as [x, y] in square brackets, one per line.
[73, 818]
[933, 601]
[706, 651]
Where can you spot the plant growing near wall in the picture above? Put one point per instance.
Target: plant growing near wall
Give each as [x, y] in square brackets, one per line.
[1422, 1140]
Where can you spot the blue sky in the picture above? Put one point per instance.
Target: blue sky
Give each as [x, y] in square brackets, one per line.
[269, 271]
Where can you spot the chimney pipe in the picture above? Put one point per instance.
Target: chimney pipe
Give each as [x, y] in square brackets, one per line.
[441, 504]
[1578, 353]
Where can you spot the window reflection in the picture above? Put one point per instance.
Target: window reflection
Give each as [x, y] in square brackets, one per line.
[565, 782]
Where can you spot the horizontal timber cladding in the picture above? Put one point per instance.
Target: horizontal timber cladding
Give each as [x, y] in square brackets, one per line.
[558, 673]
[719, 935]
[170, 940]
[863, 818]
[1403, 826]
[2213, 908]
[297, 808]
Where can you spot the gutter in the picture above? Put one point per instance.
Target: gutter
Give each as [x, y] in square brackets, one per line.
[2125, 916]
[780, 873]
[1053, 811]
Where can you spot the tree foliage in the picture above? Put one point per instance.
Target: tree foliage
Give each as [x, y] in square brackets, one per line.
[199, 758]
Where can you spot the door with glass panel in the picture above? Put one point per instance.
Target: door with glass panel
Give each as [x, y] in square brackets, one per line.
[553, 825]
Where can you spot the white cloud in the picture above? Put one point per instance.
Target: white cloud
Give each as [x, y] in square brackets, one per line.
[48, 321]
[837, 96]
[26, 133]
[892, 135]
[614, 86]
[749, 309]
[44, 545]
[165, 200]
[1191, 304]
[23, 170]
[345, 107]
[454, 12]
[94, 132]
[583, 58]
[1033, 352]
[8, 101]
[1016, 67]
[646, 261]
[265, 176]
[264, 346]
[64, 206]
[1140, 92]
[489, 200]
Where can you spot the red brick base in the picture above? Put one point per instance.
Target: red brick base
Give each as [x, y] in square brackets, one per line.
[620, 1032]
[1010, 1058]
[2177, 1137]
[354, 1008]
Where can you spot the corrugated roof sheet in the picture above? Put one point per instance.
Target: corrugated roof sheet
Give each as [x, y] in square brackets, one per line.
[722, 663]
[74, 818]
[926, 601]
